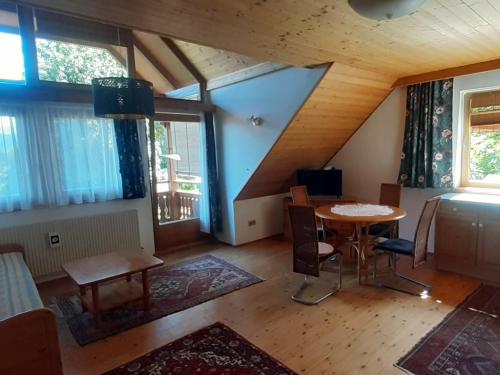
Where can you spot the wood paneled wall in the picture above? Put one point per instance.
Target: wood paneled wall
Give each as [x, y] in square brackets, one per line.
[339, 105]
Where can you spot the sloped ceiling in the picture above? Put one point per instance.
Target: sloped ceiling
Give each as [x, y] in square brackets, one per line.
[341, 102]
[168, 73]
[214, 63]
[442, 34]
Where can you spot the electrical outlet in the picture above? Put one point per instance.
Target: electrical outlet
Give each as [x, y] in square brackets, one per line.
[54, 240]
[251, 223]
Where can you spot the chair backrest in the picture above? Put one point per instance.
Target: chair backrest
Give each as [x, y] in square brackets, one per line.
[305, 240]
[422, 232]
[390, 194]
[299, 195]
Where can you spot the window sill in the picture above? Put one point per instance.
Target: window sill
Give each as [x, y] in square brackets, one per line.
[477, 190]
[474, 195]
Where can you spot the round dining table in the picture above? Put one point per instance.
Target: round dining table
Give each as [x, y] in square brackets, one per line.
[362, 216]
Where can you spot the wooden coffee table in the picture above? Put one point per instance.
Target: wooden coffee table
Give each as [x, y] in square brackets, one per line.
[107, 269]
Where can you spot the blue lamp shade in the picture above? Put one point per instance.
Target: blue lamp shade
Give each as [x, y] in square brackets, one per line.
[123, 98]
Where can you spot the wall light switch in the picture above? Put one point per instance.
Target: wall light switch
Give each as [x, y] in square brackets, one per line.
[54, 240]
[251, 223]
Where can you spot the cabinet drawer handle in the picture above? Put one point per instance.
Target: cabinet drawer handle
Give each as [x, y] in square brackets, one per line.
[480, 225]
[473, 224]
[454, 209]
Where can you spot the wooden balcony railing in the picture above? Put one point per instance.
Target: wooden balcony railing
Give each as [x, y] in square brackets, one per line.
[178, 205]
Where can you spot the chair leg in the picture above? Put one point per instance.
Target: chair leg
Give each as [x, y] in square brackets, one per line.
[317, 299]
[385, 282]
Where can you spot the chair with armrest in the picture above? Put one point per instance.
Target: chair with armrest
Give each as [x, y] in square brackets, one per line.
[310, 256]
[416, 249]
[390, 195]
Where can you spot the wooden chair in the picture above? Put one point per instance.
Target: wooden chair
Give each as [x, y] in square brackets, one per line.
[310, 256]
[417, 249]
[390, 195]
[300, 197]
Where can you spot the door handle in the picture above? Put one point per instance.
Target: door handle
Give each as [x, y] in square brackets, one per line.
[480, 225]
[473, 224]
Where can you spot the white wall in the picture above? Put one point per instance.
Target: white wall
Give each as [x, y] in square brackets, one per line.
[267, 213]
[372, 156]
[42, 215]
[241, 147]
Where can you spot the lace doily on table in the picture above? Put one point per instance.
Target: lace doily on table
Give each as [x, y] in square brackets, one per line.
[361, 210]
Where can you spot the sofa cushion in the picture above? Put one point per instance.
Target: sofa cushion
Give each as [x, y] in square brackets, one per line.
[18, 292]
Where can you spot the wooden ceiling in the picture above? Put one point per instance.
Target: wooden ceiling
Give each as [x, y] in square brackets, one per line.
[339, 104]
[156, 62]
[442, 34]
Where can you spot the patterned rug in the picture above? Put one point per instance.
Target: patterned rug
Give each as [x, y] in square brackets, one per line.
[212, 350]
[467, 342]
[173, 288]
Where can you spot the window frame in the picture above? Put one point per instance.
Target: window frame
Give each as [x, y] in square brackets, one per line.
[465, 180]
[28, 34]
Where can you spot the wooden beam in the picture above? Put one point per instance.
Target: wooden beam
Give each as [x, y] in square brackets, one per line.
[63, 92]
[449, 73]
[156, 63]
[182, 106]
[176, 117]
[129, 37]
[244, 74]
[184, 60]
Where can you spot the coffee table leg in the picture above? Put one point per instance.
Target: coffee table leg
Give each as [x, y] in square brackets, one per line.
[145, 289]
[95, 302]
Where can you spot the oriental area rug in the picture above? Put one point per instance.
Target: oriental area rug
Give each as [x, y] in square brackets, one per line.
[173, 288]
[214, 350]
[467, 342]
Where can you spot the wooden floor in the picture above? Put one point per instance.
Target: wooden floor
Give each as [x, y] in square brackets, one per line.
[361, 330]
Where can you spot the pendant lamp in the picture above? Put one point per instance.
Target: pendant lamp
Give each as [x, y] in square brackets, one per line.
[122, 98]
[385, 9]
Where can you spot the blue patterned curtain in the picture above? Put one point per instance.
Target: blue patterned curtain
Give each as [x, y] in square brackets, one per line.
[212, 175]
[131, 164]
[426, 160]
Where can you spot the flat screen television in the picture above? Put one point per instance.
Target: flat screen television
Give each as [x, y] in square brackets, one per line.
[321, 181]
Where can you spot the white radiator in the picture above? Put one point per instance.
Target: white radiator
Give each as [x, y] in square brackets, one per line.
[80, 237]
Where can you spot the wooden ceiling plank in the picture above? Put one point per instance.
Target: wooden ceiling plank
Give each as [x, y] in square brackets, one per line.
[155, 62]
[185, 61]
[449, 73]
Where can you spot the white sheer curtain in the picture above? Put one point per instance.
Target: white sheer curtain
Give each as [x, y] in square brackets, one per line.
[55, 154]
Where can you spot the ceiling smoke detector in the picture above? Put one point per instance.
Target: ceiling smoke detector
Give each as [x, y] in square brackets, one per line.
[385, 9]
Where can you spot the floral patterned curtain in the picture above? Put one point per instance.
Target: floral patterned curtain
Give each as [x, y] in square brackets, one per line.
[426, 160]
[131, 165]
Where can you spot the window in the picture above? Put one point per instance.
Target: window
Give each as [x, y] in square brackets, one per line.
[76, 63]
[72, 50]
[12, 62]
[178, 170]
[56, 155]
[481, 156]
